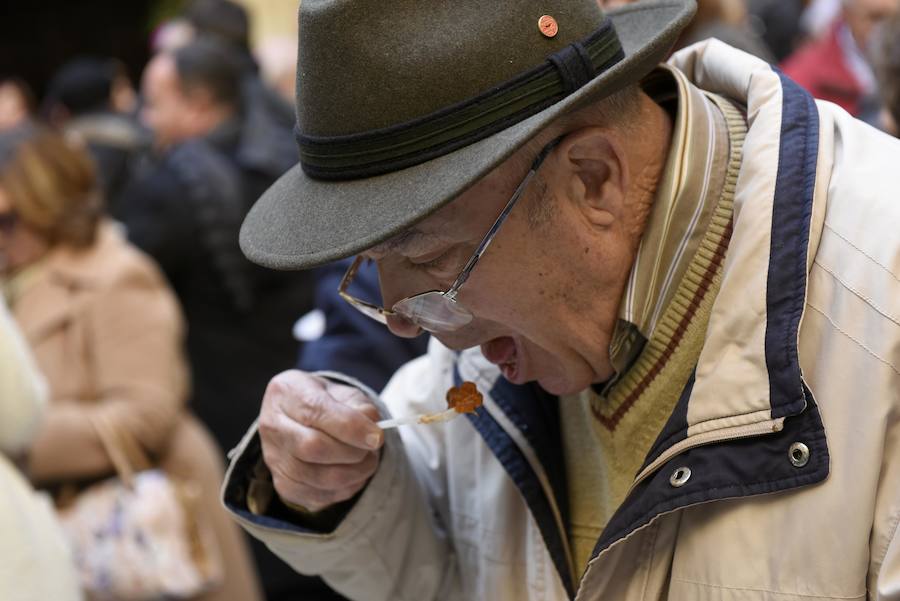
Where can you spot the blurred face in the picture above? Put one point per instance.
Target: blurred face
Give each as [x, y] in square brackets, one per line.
[862, 16]
[544, 296]
[13, 107]
[19, 245]
[168, 112]
[123, 96]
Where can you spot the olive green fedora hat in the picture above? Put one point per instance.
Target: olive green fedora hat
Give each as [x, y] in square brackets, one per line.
[404, 104]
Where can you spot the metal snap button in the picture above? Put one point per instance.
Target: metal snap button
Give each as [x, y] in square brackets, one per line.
[548, 26]
[680, 476]
[799, 454]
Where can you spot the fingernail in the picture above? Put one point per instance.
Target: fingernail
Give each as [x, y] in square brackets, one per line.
[373, 440]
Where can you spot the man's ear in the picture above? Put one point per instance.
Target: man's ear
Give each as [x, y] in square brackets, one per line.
[597, 173]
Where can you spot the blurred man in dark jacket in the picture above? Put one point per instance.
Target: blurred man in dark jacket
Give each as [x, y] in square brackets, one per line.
[185, 208]
[229, 23]
[80, 101]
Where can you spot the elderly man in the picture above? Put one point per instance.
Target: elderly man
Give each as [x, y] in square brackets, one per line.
[676, 287]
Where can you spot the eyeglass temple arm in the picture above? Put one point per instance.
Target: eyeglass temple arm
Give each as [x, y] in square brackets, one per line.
[464, 274]
[486, 242]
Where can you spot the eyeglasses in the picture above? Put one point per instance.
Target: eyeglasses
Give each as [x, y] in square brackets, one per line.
[436, 311]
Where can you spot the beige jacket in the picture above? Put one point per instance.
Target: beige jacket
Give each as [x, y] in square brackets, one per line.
[777, 477]
[106, 331]
[36, 562]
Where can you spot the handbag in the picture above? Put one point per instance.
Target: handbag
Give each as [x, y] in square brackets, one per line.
[140, 535]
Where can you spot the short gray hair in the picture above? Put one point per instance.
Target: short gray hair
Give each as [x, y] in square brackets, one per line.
[618, 110]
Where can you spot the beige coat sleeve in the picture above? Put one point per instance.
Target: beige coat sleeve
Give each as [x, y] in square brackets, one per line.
[391, 545]
[23, 392]
[133, 334]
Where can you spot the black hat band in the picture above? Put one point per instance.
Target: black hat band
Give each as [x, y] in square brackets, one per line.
[393, 148]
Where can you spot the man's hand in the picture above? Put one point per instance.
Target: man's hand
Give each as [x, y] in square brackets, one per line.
[319, 439]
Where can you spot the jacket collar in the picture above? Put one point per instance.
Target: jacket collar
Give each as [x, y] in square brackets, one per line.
[746, 408]
[751, 345]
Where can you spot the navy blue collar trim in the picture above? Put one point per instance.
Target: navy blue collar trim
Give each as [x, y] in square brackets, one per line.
[730, 469]
[791, 214]
[536, 415]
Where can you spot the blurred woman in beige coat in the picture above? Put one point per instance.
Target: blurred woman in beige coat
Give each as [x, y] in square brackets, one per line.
[105, 331]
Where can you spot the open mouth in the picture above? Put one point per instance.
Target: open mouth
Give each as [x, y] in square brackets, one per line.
[504, 353]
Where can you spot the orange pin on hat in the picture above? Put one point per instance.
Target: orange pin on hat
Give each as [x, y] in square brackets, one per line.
[548, 26]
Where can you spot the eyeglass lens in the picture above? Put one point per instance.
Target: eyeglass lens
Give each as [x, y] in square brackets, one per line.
[434, 312]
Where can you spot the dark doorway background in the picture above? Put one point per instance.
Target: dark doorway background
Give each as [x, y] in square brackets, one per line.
[38, 36]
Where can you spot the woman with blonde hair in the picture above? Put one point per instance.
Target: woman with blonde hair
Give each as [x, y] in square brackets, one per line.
[106, 332]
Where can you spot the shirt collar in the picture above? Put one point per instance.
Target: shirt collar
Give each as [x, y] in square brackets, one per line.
[687, 191]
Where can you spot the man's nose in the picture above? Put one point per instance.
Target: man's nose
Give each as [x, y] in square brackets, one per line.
[400, 326]
[394, 287]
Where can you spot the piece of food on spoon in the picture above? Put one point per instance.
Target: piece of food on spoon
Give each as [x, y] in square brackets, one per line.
[465, 398]
[460, 399]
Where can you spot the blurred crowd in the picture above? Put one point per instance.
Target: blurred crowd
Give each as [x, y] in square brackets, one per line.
[125, 297]
[121, 271]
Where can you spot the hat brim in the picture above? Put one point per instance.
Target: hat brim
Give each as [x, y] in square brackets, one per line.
[301, 222]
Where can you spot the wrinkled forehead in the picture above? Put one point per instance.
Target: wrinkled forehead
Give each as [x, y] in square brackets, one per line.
[466, 217]
[429, 232]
